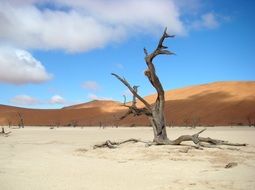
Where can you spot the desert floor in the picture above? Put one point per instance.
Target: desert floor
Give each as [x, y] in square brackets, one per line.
[63, 159]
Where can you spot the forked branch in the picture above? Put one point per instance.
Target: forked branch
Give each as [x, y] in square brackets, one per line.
[151, 72]
[132, 90]
[133, 109]
[202, 140]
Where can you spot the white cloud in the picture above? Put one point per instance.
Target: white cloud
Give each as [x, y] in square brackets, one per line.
[207, 21]
[24, 100]
[84, 25]
[190, 7]
[91, 86]
[20, 67]
[119, 66]
[92, 96]
[57, 99]
[210, 21]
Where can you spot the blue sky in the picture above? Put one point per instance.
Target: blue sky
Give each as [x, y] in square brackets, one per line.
[57, 53]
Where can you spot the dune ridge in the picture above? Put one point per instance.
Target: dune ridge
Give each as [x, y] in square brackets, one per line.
[219, 103]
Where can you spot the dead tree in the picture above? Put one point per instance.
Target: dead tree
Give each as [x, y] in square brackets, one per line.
[155, 112]
[73, 123]
[250, 121]
[186, 121]
[21, 120]
[56, 123]
[9, 122]
[195, 122]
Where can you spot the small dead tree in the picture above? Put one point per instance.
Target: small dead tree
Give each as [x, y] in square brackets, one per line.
[21, 120]
[195, 122]
[171, 123]
[186, 121]
[9, 122]
[155, 112]
[250, 121]
[74, 123]
[56, 123]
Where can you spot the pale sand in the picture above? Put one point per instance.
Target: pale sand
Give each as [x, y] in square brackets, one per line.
[63, 159]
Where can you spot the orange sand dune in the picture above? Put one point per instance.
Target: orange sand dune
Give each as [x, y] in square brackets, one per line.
[220, 103]
[104, 105]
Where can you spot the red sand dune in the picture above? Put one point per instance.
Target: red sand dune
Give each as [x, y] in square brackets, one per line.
[220, 103]
[103, 105]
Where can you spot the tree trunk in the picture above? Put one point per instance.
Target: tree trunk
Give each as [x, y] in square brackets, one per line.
[158, 124]
[158, 117]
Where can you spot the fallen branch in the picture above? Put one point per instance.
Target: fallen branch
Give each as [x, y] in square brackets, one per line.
[112, 144]
[198, 141]
[231, 165]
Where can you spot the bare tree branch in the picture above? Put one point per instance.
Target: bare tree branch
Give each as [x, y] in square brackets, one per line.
[147, 105]
[150, 72]
[111, 144]
[125, 99]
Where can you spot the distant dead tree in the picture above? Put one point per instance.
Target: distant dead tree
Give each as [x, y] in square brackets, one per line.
[74, 123]
[250, 121]
[9, 121]
[115, 121]
[155, 112]
[20, 120]
[171, 123]
[186, 121]
[195, 121]
[56, 123]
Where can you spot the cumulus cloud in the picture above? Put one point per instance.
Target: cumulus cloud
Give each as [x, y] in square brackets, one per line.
[91, 86]
[20, 67]
[83, 25]
[207, 21]
[57, 99]
[92, 96]
[24, 100]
